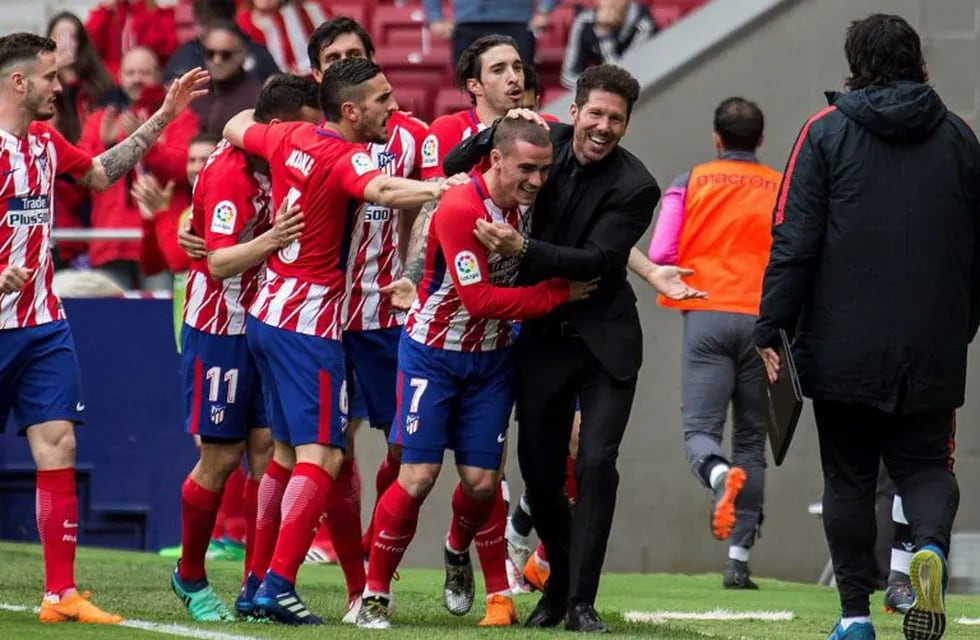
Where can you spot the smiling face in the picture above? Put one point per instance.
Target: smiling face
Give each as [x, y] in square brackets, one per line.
[521, 170]
[501, 83]
[600, 123]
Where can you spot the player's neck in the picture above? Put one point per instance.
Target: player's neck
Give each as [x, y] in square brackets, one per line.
[14, 118]
[497, 194]
[486, 115]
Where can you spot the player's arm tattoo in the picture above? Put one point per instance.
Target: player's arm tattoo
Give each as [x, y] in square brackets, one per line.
[415, 258]
[116, 162]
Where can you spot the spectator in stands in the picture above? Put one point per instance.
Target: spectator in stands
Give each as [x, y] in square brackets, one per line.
[473, 19]
[285, 27]
[116, 26]
[259, 63]
[603, 34]
[138, 95]
[84, 80]
[232, 90]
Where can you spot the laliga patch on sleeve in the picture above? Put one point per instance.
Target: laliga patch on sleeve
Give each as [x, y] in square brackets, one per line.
[362, 163]
[467, 268]
[223, 217]
[430, 152]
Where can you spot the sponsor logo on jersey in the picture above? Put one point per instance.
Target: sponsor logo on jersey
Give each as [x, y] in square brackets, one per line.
[28, 212]
[467, 268]
[223, 217]
[430, 152]
[374, 213]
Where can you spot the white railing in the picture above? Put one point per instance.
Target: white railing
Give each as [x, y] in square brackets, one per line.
[76, 235]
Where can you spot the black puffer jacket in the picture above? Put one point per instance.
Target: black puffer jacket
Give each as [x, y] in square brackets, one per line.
[875, 261]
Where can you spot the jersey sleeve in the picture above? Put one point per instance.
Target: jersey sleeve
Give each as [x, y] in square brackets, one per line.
[420, 132]
[442, 137]
[227, 209]
[355, 170]
[72, 161]
[453, 224]
[263, 139]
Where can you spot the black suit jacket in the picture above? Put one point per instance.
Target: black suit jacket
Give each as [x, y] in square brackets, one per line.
[590, 237]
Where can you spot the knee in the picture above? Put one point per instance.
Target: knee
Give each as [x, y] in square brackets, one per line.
[55, 449]
[481, 488]
[417, 479]
[220, 459]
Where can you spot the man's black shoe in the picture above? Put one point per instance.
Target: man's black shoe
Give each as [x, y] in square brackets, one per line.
[545, 615]
[582, 617]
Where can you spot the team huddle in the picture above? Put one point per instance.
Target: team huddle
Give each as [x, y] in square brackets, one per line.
[310, 299]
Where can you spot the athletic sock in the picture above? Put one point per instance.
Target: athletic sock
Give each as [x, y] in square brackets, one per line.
[198, 511]
[57, 524]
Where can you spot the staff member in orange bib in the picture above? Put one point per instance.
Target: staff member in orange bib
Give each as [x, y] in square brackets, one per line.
[716, 220]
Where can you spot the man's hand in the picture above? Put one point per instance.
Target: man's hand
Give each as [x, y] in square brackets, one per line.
[288, 226]
[527, 114]
[183, 90]
[499, 237]
[109, 127]
[457, 179]
[192, 245]
[581, 290]
[14, 278]
[771, 359]
[442, 29]
[666, 279]
[401, 292]
[127, 123]
[150, 196]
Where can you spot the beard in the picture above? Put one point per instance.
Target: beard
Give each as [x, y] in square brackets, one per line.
[38, 108]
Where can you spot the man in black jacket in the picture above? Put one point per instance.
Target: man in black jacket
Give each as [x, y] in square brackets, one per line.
[875, 266]
[598, 201]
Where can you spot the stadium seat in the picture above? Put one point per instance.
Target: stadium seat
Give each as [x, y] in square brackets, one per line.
[407, 67]
[450, 100]
[398, 25]
[664, 16]
[184, 21]
[551, 94]
[559, 22]
[416, 101]
[359, 11]
[548, 65]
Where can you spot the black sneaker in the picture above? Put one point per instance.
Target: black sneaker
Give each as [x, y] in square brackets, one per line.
[374, 613]
[736, 575]
[458, 592]
[898, 597]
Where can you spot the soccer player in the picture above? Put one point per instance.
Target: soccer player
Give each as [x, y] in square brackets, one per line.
[372, 325]
[296, 323]
[39, 378]
[224, 399]
[455, 379]
[491, 70]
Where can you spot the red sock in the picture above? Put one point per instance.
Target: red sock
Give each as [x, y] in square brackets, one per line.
[396, 517]
[233, 507]
[267, 517]
[57, 525]
[198, 509]
[571, 486]
[303, 504]
[540, 551]
[469, 516]
[387, 473]
[250, 507]
[344, 523]
[491, 547]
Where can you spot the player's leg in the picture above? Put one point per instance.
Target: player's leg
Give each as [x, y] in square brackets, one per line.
[750, 420]
[426, 395]
[41, 383]
[707, 384]
[491, 562]
[898, 593]
[479, 512]
[219, 380]
[309, 376]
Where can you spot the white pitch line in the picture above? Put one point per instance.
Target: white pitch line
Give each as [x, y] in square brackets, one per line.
[973, 622]
[660, 617]
[143, 625]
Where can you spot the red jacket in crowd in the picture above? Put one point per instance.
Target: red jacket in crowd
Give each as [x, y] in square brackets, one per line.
[129, 23]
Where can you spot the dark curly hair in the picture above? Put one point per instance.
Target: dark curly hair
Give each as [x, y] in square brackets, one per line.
[882, 49]
[607, 77]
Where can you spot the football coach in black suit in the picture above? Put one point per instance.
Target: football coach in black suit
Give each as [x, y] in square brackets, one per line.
[597, 202]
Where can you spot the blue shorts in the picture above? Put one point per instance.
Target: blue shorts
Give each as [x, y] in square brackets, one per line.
[305, 382]
[452, 400]
[222, 386]
[355, 392]
[372, 357]
[39, 376]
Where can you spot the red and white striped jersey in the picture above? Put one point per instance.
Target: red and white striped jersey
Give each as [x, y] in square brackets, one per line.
[446, 132]
[326, 175]
[231, 206]
[467, 301]
[376, 262]
[28, 167]
[286, 32]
